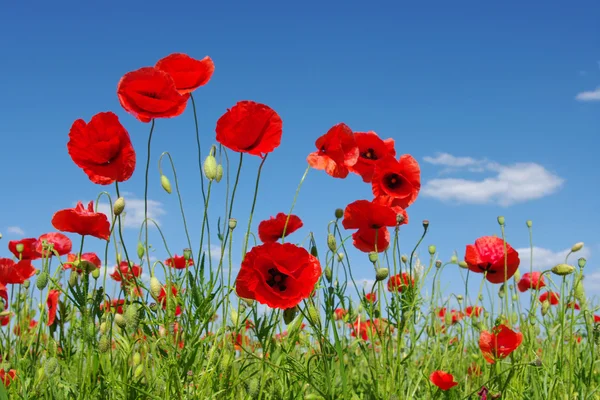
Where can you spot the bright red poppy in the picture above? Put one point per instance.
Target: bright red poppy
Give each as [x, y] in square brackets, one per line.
[473, 311]
[371, 297]
[271, 230]
[362, 329]
[574, 305]
[398, 179]
[368, 240]
[52, 303]
[102, 148]
[250, 127]
[443, 380]
[499, 343]
[364, 214]
[85, 222]
[15, 272]
[149, 93]
[596, 318]
[4, 295]
[7, 376]
[84, 263]
[162, 299]
[5, 319]
[115, 305]
[179, 262]
[487, 255]
[397, 283]
[371, 148]
[401, 214]
[457, 316]
[278, 275]
[336, 151]
[125, 273]
[552, 297]
[28, 251]
[531, 280]
[49, 243]
[187, 72]
[339, 313]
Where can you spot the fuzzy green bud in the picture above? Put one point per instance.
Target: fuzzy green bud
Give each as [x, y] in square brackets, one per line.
[431, 249]
[96, 273]
[373, 257]
[210, 167]
[501, 220]
[50, 366]
[529, 223]
[502, 291]
[155, 287]
[232, 223]
[120, 321]
[141, 250]
[579, 291]
[454, 259]
[219, 173]
[339, 213]
[42, 280]
[381, 274]
[253, 388]
[331, 243]
[20, 247]
[515, 297]
[139, 370]
[448, 318]
[328, 274]
[137, 358]
[463, 264]
[187, 254]
[119, 206]
[102, 328]
[517, 275]
[166, 184]
[340, 257]
[313, 315]
[563, 269]
[545, 307]
[132, 317]
[459, 298]
[26, 283]
[581, 262]
[73, 278]
[576, 247]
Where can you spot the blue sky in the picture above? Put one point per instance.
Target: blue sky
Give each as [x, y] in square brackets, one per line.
[500, 104]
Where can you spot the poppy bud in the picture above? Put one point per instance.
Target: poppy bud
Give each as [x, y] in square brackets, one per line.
[226, 360]
[545, 307]
[576, 247]
[331, 243]
[404, 259]
[120, 321]
[253, 388]
[431, 249]
[132, 317]
[73, 279]
[119, 206]
[459, 298]
[501, 220]
[463, 264]
[50, 366]
[187, 254]
[210, 167]
[454, 259]
[103, 344]
[102, 328]
[579, 291]
[313, 251]
[480, 297]
[139, 370]
[137, 358]
[517, 275]
[448, 318]
[501, 291]
[51, 347]
[373, 257]
[381, 274]
[26, 283]
[339, 213]
[20, 247]
[164, 181]
[232, 223]
[233, 314]
[140, 250]
[581, 262]
[219, 173]
[340, 257]
[438, 264]
[42, 280]
[425, 224]
[289, 314]
[563, 269]
[328, 274]
[313, 316]
[96, 273]
[155, 287]
[529, 223]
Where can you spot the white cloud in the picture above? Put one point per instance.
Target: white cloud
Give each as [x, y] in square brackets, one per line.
[133, 216]
[367, 284]
[511, 184]
[591, 95]
[15, 230]
[544, 259]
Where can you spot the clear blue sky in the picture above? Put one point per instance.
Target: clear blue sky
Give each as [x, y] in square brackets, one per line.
[493, 84]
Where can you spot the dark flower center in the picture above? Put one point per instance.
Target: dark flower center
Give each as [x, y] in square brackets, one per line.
[322, 149]
[392, 181]
[370, 154]
[277, 279]
[152, 95]
[486, 268]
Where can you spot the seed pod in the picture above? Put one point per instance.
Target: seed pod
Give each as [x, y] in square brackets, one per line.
[373, 257]
[20, 247]
[120, 321]
[529, 223]
[166, 184]
[50, 366]
[431, 249]
[155, 287]
[381, 274]
[141, 250]
[501, 220]
[331, 243]
[232, 223]
[219, 173]
[210, 167]
[563, 269]
[339, 213]
[119, 206]
[42, 280]
[328, 274]
[581, 262]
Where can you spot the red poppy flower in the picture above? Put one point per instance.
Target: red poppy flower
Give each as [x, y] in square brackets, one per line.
[187, 72]
[398, 282]
[162, 299]
[487, 255]
[552, 297]
[371, 297]
[178, 262]
[500, 343]
[3, 295]
[115, 305]
[28, 253]
[367, 214]
[271, 230]
[443, 380]
[474, 370]
[84, 263]
[49, 243]
[399, 179]
[250, 127]
[473, 311]
[102, 148]
[52, 303]
[370, 150]
[574, 305]
[339, 313]
[395, 205]
[362, 329]
[82, 221]
[149, 93]
[123, 273]
[278, 275]
[15, 272]
[531, 280]
[336, 152]
[457, 316]
[596, 319]
[7, 377]
[5, 319]
[364, 239]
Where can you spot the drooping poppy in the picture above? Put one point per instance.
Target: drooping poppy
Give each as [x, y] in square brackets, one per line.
[473, 311]
[7, 376]
[187, 72]
[368, 240]
[531, 280]
[499, 343]
[125, 273]
[85, 222]
[179, 262]
[487, 256]
[162, 299]
[336, 151]
[278, 275]
[28, 251]
[49, 243]
[15, 272]
[86, 262]
[271, 230]
[371, 148]
[397, 283]
[367, 214]
[552, 297]
[250, 127]
[443, 380]
[102, 148]
[52, 303]
[150, 93]
[399, 179]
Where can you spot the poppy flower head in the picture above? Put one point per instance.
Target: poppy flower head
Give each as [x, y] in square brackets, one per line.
[115, 305]
[371, 297]
[28, 251]
[339, 313]
[443, 380]
[368, 240]
[398, 179]
[473, 311]
[15, 272]
[179, 262]
[7, 376]
[487, 256]
[125, 273]
[187, 72]
[336, 151]
[271, 230]
[456, 316]
[52, 303]
[5, 319]
[83, 221]
[499, 343]
[162, 299]
[150, 93]
[53, 243]
[87, 262]
[398, 282]
[531, 280]
[368, 214]
[394, 204]
[371, 148]
[102, 148]
[278, 275]
[250, 127]
[362, 329]
[550, 296]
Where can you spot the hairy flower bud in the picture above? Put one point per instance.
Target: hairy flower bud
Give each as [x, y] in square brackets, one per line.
[331, 242]
[545, 307]
[42, 280]
[119, 206]
[454, 259]
[463, 264]
[563, 269]
[313, 315]
[381, 274]
[404, 259]
[137, 358]
[73, 279]
[139, 370]
[141, 250]
[155, 287]
[120, 321]
[576, 247]
[210, 167]
[219, 173]
[166, 184]
[50, 366]
[328, 274]
[104, 344]
[232, 223]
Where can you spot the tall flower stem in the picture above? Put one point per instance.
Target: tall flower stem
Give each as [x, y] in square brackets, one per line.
[146, 191]
[287, 220]
[253, 205]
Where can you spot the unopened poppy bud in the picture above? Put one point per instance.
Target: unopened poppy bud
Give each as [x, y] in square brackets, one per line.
[137, 358]
[459, 298]
[155, 287]
[431, 249]
[102, 328]
[404, 259]
[232, 223]
[104, 344]
[132, 317]
[139, 370]
[454, 259]
[96, 273]
[210, 167]
[42, 280]
[26, 283]
[187, 254]
[120, 321]
[373, 257]
[425, 224]
[438, 264]
[219, 173]
[328, 274]
[313, 316]
[576, 247]
[480, 297]
[20, 247]
[579, 291]
[313, 251]
[341, 257]
[73, 279]
[501, 220]
[501, 291]
[545, 307]
[339, 213]
[381, 274]
[331, 243]
[233, 314]
[581, 262]
[140, 250]
[463, 264]
[517, 275]
[50, 366]
[119, 206]
[289, 314]
[529, 223]
[563, 269]
[166, 184]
